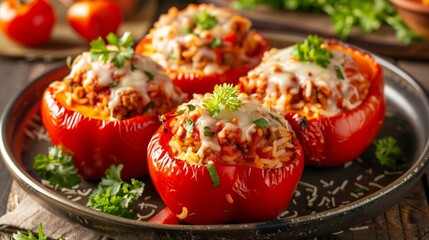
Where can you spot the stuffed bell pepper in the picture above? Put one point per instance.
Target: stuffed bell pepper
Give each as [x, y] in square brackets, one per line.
[106, 109]
[331, 93]
[223, 157]
[202, 45]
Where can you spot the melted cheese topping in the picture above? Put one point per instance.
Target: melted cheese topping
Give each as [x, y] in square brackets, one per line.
[178, 42]
[250, 111]
[141, 74]
[320, 90]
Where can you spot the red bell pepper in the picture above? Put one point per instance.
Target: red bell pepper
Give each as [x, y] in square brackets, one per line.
[241, 194]
[95, 143]
[194, 81]
[229, 47]
[119, 131]
[335, 140]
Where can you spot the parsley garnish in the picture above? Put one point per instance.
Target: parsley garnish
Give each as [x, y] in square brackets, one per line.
[149, 75]
[312, 50]
[114, 84]
[191, 107]
[217, 42]
[120, 50]
[345, 15]
[205, 21]
[360, 190]
[213, 174]
[224, 97]
[30, 236]
[58, 168]
[180, 112]
[387, 152]
[261, 122]
[339, 73]
[189, 126]
[208, 131]
[115, 196]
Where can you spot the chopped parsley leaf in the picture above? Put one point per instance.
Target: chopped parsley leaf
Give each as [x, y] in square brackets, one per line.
[261, 122]
[205, 20]
[224, 97]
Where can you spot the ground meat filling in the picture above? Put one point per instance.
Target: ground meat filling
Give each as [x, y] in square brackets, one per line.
[202, 38]
[232, 137]
[286, 84]
[100, 90]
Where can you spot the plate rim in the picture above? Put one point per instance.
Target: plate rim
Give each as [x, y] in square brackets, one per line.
[35, 189]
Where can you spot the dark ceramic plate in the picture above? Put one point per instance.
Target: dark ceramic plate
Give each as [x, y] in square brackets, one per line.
[326, 201]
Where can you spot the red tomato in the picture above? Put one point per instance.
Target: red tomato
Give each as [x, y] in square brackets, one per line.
[28, 23]
[245, 193]
[332, 141]
[95, 143]
[94, 18]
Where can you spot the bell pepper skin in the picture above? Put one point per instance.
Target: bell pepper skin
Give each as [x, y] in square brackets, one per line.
[333, 141]
[245, 194]
[96, 143]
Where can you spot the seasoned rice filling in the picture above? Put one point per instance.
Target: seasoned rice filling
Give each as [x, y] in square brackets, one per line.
[252, 136]
[202, 38]
[100, 90]
[287, 84]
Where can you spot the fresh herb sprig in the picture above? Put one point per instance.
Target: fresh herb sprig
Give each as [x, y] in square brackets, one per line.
[30, 236]
[224, 97]
[118, 51]
[115, 196]
[312, 50]
[205, 20]
[57, 167]
[345, 15]
[387, 152]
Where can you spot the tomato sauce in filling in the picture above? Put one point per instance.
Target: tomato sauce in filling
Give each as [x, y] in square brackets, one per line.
[286, 84]
[252, 136]
[100, 90]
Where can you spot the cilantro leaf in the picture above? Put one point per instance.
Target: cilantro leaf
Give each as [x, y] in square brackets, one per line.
[205, 20]
[115, 196]
[312, 50]
[58, 168]
[224, 97]
[119, 51]
[387, 152]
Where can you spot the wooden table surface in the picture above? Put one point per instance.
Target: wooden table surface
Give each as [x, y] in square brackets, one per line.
[409, 219]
